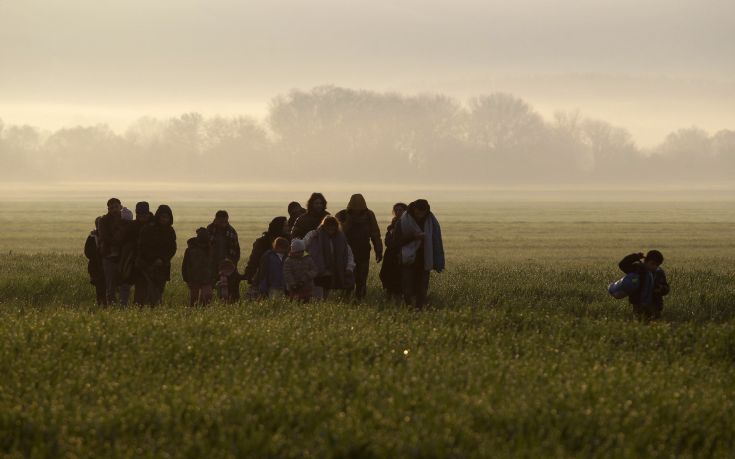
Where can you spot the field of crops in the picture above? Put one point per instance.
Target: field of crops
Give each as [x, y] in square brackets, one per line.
[522, 352]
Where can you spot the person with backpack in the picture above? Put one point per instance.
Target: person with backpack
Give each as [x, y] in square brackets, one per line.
[361, 228]
[419, 239]
[648, 299]
[196, 268]
[156, 248]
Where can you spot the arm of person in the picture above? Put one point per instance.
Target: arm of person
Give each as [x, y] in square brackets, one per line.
[185, 267]
[263, 274]
[375, 237]
[253, 261]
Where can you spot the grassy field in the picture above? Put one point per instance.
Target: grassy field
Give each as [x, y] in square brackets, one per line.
[522, 352]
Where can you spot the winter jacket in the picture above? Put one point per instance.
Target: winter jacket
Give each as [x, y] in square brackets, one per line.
[197, 267]
[633, 264]
[332, 256]
[299, 273]
[232, 245]
[128, 237]
[94, 265]
[390, 270]
[361, 227]
[270, 273]
[311, 219]
[108, 234]
[157, 242]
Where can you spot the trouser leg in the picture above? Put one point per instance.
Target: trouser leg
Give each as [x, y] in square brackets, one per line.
[407, 281]
[112, 277]
[421, 286]
[233, 287]
[141, 290]
[362, 269]
[100, 288]
[124, 294]
[206, 294]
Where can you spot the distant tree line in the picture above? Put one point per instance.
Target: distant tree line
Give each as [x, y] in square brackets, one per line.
[338, 134]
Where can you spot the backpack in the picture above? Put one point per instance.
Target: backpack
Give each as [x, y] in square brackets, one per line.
[628, 284]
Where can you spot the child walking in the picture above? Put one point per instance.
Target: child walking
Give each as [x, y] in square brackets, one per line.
[197, 268]
[270, 272]
[648, 299]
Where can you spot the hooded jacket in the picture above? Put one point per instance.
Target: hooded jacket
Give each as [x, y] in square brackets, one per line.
[157, 242]
[311, 219]
[361, 227]
[197, 267]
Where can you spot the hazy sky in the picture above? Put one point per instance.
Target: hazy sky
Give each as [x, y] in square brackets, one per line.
[648, 65]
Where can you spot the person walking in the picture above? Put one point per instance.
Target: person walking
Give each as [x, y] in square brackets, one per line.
[390, 270]
[225, 246]
[316, 210]
[156, 248]
[361, 228]
[333, 257]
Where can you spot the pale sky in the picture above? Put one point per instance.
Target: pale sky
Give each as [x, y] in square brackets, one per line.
[651, 66]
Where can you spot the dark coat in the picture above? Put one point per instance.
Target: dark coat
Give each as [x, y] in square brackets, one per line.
[233, 245]
[197, 267]
[129, 235]
[109, 235]
[633, 264]
[311, 219]
[390, 271]
[157, 242]
[94, 265]
[361, 228]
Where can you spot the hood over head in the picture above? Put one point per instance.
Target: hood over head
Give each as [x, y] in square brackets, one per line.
[357, 202]
[294, 206]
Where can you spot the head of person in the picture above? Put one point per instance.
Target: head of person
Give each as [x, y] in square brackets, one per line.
[297, 248]
[164, 216]
[295, 209]
[221, 219]
[142, 211]
[653, 260]
[114, 206]
[330, 225]
[281, 245]
[419, 209]
[399, 209]
[97, 223]
[357, 204]
[126, 214]
[278, 227]
[202, 236]
[317, 203]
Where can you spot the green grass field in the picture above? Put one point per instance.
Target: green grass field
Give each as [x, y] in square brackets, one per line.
[521, 354]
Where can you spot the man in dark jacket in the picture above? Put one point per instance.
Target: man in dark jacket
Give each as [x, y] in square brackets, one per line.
[129, 252]
[225, 245]
[156, 248]
[316, 210]
[361, 227]
[94, 266]
[647, 301]
[109, 230]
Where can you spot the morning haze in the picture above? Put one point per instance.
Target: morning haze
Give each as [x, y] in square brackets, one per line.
[472, 93]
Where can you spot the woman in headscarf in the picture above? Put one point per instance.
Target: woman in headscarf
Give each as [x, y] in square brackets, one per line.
[156, 248]
[328, 246]
[390, 271]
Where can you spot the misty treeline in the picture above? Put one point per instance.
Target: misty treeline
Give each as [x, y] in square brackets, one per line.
[336, 134]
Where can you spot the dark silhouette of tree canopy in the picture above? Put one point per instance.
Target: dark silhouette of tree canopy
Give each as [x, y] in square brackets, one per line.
[337, 134]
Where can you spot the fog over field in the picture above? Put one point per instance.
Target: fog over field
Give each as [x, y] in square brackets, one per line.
[455, 94]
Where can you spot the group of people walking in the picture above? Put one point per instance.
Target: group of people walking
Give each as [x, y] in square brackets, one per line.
[303, 256]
